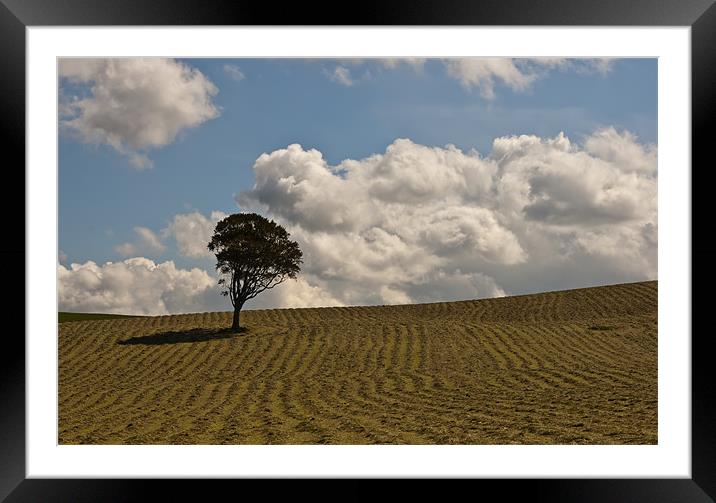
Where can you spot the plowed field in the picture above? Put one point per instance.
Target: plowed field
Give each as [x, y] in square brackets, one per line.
[569, 367]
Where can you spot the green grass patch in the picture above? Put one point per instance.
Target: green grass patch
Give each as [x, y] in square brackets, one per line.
[64, 317]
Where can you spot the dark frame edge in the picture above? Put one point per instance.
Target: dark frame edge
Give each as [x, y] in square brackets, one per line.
[12, 250]
[15, 487]
[371, 12]
[703, 110]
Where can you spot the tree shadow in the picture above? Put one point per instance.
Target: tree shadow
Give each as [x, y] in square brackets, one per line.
[181, 336]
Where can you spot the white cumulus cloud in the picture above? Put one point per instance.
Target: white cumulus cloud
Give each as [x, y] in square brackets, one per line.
[192, 232]
[419, 223]
[126, 249]
[394, 296]
[146, 241]
[478, 73]
[481, 73]
[519, 74]
[234, 72]
[341, 75]
[140, 286]
[136, 286]
[134, 104]
[294, 293]
[416, 64]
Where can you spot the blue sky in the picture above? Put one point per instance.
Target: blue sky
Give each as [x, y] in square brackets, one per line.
[263, 106]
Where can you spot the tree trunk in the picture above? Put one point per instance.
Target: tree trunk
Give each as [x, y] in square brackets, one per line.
[237, 315]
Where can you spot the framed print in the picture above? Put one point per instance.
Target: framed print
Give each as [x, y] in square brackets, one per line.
[436, 234]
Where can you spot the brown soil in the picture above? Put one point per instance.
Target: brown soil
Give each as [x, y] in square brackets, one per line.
[571, 367]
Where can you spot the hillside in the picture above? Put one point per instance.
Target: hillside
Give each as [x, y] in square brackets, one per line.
[569, 367]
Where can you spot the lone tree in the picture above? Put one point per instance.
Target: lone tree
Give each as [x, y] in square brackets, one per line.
[253, 254]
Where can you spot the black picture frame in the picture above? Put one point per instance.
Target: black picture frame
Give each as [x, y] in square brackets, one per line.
[16, 15]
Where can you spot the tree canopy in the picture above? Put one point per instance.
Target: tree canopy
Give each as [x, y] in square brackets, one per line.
[253, 254]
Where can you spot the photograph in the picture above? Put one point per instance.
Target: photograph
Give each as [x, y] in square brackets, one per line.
[449, 242]
[357, 251]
